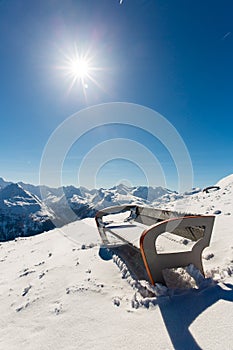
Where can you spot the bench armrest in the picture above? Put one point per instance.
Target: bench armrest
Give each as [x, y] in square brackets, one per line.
[155, 262]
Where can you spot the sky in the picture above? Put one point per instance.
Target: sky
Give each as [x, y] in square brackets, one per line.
[174, 57]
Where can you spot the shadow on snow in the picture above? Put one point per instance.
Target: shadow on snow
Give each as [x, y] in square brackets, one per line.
[179, 311]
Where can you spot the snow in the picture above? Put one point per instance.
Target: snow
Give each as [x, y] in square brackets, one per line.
[56, 292]
[22, 213]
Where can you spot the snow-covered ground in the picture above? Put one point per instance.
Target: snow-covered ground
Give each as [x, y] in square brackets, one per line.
[56, 292]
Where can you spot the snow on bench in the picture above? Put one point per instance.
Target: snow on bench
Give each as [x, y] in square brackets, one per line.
[165, 239]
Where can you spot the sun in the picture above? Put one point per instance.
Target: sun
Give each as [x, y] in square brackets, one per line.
[79, 68]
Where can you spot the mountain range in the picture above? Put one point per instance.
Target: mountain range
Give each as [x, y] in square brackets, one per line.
[26, 209]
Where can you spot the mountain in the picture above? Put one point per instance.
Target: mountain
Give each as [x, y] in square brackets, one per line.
[22, 214]
[151, 194]
[27, 209]
[41, 190]
[4, 183]
[85, 202]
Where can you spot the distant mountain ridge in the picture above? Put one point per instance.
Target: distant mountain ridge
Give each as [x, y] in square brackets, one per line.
[22, 214]
[26, 209]
[4, 183]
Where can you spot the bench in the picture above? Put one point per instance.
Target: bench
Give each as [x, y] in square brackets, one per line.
[156, 234]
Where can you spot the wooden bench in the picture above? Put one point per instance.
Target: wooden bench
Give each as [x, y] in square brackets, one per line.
[156, 234]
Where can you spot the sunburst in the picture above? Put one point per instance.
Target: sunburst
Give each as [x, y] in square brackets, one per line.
[79, 69]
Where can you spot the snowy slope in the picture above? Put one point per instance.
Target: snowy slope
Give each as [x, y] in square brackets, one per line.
[56, 292]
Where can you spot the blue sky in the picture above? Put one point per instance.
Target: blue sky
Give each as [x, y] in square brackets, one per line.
[172, 56]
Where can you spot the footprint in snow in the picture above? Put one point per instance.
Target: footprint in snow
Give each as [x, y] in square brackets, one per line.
[42, 274]
[88, 246]
[26, 290]
[208, 256]
[116, 301]
[217, 212]
[40, 263]
[20, 308]
[26, 272]
[58, 309]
